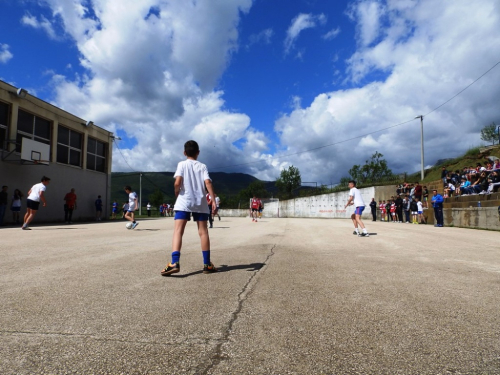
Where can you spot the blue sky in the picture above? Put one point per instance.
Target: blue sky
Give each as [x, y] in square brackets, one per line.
[256, 83]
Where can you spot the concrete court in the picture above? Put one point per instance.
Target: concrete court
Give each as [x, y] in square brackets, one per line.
[294, 296]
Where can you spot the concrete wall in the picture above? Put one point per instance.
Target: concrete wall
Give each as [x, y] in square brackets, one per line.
[332, 206]
[475, 217]
[88, 185]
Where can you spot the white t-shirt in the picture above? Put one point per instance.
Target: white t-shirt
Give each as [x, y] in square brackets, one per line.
[358, 200]
[217, 201]
[192, 194]
[419, 206]
[35, 192]
[148, 206]
[131, 201]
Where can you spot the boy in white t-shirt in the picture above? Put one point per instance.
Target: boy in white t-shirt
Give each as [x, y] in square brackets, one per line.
[132, 206]
[35, 195]
[420, 212]
[191, 179]
[356, 199]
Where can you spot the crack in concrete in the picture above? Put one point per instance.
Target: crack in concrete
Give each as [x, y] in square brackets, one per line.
[218, 357]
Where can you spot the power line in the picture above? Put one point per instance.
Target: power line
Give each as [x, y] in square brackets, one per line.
[363, 135]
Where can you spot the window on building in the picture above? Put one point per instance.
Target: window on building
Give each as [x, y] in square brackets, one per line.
[32, 127]
[4, 123]
[96, 155]
[69, 146]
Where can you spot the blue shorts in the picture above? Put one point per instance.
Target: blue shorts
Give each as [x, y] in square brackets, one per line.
[184, 215]
[359, 210]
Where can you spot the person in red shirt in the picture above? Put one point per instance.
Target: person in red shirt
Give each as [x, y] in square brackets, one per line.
[69, 206]
[255, 204]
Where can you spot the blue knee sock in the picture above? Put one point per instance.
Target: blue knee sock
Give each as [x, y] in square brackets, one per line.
[176, 255]
[206, 256]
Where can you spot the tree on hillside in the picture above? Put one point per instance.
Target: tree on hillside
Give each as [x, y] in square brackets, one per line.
[256, 188]
[156, 198]
[489, 133]
[288, 181]
[374, 170]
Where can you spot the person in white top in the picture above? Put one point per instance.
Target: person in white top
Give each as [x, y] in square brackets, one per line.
[35, 195]
[148, 207]
[132, 206]
[356, 199]
[217, 203]
[191, 179]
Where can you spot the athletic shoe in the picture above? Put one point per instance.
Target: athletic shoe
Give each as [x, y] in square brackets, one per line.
[25, 228]
[363, 235]
[211, 226]
[170, 269]
[209, 268]
[135, 225]
[354, 232]
[219, 218]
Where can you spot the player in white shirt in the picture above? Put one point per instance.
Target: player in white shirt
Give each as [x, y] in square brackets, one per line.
[133, 205]
[217, 203]
[356, 199]
[35, 195]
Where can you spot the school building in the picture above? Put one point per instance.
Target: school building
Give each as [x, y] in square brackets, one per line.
[39, 139]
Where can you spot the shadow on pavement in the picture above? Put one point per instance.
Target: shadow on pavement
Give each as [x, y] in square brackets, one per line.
[223, 268]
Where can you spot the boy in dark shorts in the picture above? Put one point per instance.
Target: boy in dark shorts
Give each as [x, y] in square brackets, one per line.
[191, 178]
[35, 195]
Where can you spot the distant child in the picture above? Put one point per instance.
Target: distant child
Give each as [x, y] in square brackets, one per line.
[254, 207]
[191, 178]
[414, 211]
[114, 210]
[124, 209]
[35, 195]
[420, 212]
[382, 210]
[132, 206]
[393, 211]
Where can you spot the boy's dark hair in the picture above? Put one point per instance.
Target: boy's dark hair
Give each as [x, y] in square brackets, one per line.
[45, 178]
[191, 148]
[352, 182]
[128, 188]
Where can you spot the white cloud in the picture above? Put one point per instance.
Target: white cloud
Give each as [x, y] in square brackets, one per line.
[42, 24]
[300, 23]
[263, 37]
[426, 57]
[332, 34]
[368, 16]
[5, 54]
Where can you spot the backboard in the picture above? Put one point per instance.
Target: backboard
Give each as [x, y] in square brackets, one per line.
[35, 152]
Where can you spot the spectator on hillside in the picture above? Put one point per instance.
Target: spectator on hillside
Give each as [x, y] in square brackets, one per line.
[497, 164]
[449, 190]
[489, 166]
[463, 186]
[494, 181]
[444, 172]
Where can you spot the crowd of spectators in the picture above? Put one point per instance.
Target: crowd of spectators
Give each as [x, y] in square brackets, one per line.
[407, 205]
[472, 180]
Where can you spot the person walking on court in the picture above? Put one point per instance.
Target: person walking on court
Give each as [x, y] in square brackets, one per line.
[191, 180]
[437, 203]
[254, 207]
[35, 195]
[373, 207]
[69, 206]
[148, 208]
[356, 199]
[133, 204]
